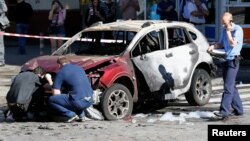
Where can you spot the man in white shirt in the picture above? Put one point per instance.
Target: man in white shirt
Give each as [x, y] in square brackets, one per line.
[198, 11]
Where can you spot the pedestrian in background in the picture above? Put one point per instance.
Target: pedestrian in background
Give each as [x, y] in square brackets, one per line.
[198, 11]
[23, 13]
[111, 17]
[166, 10]
[231, 41]
[79, 94]
[95, 13]
[3, 10]
[57, 16]
[129, 9]
[184, 13]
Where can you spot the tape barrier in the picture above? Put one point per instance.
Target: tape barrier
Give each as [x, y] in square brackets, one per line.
[57, 38]
[33, 36]
[41, 37]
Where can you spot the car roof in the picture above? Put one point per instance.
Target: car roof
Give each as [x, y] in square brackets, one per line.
[129, 25]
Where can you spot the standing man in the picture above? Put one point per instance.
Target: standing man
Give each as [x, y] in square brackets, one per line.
[79, 91]
[3, 10]
[111, 17]
[23, 13]
[129, 9]
[232, 41]
[197, 11]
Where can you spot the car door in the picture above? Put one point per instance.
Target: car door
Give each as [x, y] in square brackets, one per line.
[170, 66]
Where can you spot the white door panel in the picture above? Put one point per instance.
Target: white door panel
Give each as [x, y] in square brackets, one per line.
[170, 67]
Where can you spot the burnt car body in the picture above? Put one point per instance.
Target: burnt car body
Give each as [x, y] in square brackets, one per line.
[127, 61]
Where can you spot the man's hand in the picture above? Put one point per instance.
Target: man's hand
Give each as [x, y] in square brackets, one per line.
[210, 48]
[229, 27]
[48, 78]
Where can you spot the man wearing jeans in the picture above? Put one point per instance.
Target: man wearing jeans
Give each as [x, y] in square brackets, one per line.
[232, 41]
[79, 91]
[23, 13]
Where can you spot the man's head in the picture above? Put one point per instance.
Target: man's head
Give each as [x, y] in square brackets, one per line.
[40, 71]
[62, 60]
[227, 19]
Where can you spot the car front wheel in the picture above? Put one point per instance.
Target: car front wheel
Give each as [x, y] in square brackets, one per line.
[116, 102]
[201, 88]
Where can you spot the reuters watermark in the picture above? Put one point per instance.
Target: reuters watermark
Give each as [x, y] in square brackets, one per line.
[241, 132]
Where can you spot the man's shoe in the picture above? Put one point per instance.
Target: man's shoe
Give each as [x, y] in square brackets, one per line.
[234, 114]
[218, 115]
[222, 117]
[81, 119]
[74, 118]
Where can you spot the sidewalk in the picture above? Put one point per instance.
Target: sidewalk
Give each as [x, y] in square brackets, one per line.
[13, 58]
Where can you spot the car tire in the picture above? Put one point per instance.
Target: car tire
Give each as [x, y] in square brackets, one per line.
[116, 102]
[201, 88]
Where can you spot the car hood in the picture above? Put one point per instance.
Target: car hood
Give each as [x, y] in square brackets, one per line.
[50, 62]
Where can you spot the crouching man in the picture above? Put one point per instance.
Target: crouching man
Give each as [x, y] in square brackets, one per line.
[22, 90]
[78, 97]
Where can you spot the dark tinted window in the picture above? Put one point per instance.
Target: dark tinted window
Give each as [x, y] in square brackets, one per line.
[177, 37]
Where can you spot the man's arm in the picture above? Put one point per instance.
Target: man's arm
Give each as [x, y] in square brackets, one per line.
[233, 39]
[203, 8]
[214, 46]
[56, 87]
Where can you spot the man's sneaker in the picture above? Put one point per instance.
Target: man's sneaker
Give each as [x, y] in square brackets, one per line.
[81, 119]
[235, 114]
[222, 117]
[217, 114]
[74, 118]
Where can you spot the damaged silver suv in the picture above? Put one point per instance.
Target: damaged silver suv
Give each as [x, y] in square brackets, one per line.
[130, 61]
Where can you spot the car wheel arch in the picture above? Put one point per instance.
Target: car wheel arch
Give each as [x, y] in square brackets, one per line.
[127, 82]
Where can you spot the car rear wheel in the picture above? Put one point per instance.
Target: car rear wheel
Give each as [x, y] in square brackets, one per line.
[201, 88]
[116, 102]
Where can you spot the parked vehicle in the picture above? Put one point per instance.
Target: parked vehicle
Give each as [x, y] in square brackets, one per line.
[128, 61]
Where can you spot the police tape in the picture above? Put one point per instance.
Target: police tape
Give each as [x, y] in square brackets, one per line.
[60, 38]
[33, 36]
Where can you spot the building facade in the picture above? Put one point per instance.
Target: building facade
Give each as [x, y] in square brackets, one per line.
[76, 12]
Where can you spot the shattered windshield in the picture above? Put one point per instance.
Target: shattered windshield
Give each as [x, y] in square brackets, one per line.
[99, 43]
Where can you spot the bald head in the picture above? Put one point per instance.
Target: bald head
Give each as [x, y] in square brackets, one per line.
[227, 16]
[226, 20]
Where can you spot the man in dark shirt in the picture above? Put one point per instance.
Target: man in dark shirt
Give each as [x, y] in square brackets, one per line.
[79, 95]
[23, 13]
[21, 91]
